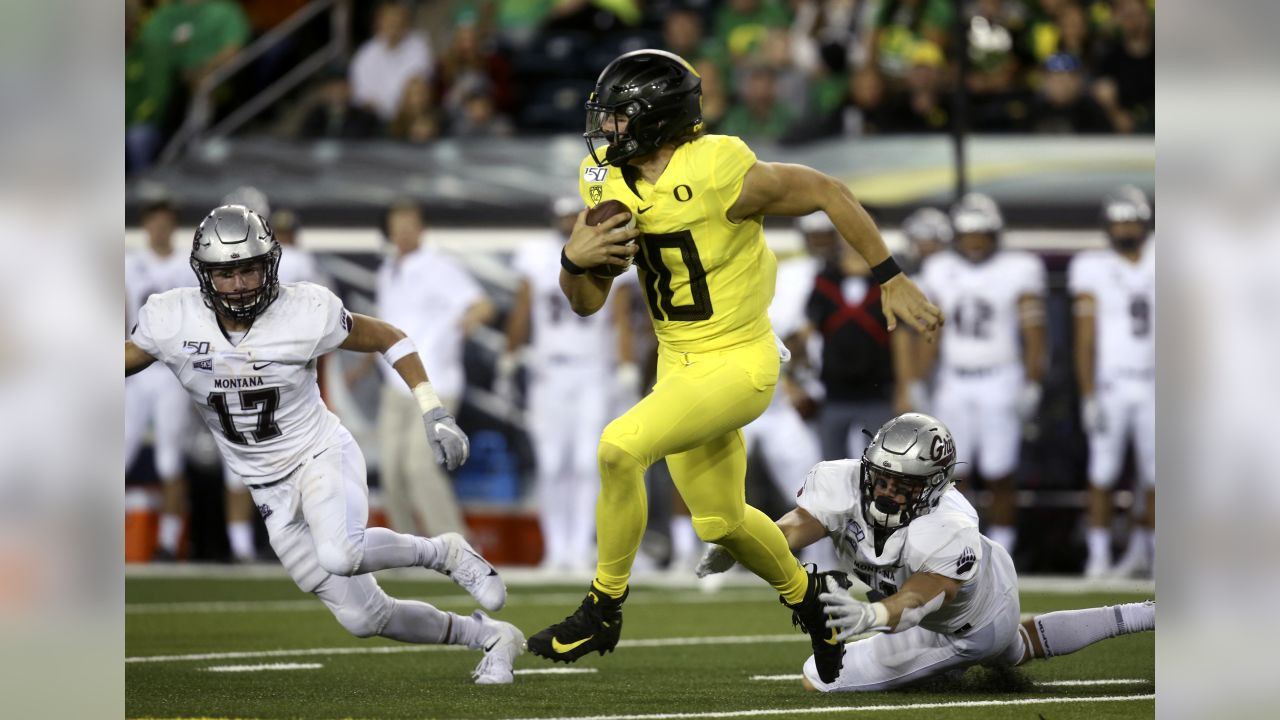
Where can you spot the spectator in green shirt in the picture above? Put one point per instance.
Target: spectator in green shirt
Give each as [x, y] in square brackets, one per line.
[199, 34]
[760, 115]
[900, 24]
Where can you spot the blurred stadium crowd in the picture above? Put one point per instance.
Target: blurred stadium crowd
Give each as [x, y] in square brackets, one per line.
[777, 70]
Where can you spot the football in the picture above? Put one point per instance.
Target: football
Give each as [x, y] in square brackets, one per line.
[598, 214]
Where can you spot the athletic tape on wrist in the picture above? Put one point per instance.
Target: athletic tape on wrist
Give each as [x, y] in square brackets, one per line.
[886, 271]
[426, 397]
[397, 352]
[569, 265]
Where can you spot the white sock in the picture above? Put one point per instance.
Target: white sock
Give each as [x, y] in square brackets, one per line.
[1067, 631]
[385, 548]
[1139, 547]
[241, 536]
[468, 631]
[1005, 536]
[1148, 536]
[1099, 540]
[170, 532]
[417, 622]
[685, 543]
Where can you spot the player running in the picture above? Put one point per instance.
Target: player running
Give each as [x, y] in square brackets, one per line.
[708, 276]
[944, 596]
[245, 347]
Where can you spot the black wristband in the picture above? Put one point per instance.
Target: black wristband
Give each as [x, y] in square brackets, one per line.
[886, 271]
[568, 265]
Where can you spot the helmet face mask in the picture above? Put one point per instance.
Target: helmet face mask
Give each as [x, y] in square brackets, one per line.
[232, 247]
[977, 224]
[906, 468]
[642, 100]
[1126, 218]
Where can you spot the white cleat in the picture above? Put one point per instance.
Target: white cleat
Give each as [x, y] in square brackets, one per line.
[500, 651]
[473, 573]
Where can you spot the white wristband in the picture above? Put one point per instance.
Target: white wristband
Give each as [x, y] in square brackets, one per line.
[397, 352]
[426, 397]
[882, 615]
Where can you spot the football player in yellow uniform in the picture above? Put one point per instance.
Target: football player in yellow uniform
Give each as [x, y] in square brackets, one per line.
[699, 201]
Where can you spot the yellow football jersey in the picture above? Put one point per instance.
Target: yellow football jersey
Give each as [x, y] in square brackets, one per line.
[708, 281]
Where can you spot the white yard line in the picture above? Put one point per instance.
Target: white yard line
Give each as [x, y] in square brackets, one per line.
[861, 708]
[1045, 683]
[530, 600]
[392, 649]
[267, 666]
[555, 671]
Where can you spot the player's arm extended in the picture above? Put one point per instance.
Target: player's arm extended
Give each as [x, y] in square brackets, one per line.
[135, 358]
[591, 246]
[371, 335]
[801, 529]
[794, 190]
[922, 594]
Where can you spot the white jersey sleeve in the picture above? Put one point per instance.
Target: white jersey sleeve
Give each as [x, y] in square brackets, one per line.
[335, 321]
[944, 543]
[828, 494]
[159, 325]
[1028, 275]
[1082, 274]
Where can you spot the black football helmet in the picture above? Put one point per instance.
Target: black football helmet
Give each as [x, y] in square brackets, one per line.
[658, 93]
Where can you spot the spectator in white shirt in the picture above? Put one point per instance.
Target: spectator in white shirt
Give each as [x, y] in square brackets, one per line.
[430, 296]
[386, 62]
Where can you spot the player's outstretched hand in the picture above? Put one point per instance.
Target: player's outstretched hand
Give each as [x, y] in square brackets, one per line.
[902, 298]
[847, 614]
[715, 560]
[449, 444]
[594, 245]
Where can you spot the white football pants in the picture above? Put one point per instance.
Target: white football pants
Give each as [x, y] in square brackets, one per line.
[1129, 409]
[155, 398]
[981, 412]
[568, 410]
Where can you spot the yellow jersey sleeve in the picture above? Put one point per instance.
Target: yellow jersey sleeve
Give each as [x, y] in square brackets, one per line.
[730, 163]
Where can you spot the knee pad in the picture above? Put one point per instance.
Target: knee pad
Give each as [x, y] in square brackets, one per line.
[340, 557]
[618, 444]
[713, 528]
[367, 618]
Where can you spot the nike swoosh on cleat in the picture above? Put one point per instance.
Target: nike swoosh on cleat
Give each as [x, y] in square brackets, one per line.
[563, 648]
[832, 640]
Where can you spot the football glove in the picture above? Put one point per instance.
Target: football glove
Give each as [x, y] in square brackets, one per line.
[1029, 401]
[850, 615]
[449, 444]
[1093, 416]
[715, 560]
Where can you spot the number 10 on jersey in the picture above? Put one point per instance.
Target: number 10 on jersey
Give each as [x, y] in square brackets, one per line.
[658, 290]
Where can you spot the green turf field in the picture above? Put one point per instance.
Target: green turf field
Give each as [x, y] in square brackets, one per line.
[684, 653]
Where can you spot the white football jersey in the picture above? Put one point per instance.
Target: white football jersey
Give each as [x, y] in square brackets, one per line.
[556, 331]
[298, 265]
[259, 397]
[1124, 295]
[945, 542]
[980, 304]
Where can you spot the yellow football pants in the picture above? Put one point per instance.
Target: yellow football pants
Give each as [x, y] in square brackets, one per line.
[693, 418]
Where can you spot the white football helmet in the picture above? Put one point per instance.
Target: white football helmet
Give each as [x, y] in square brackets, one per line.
[914, 453]
[235, 236]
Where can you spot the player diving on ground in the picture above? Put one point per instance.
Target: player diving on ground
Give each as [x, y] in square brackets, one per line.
[943, 596]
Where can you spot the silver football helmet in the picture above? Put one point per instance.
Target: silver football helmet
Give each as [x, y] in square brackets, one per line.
[234, 236]
[1125, 205]
[927, 225]
[976, 214]
[915, 455]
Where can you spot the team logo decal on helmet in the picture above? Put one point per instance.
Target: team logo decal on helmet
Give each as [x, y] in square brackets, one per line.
[914, 454]
[641, 101]
[233, 237]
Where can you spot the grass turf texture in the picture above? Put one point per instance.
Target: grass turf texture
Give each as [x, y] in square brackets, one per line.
[247, 616]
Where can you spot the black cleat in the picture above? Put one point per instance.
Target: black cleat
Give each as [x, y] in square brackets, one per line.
[828, 652]
[595, 626]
